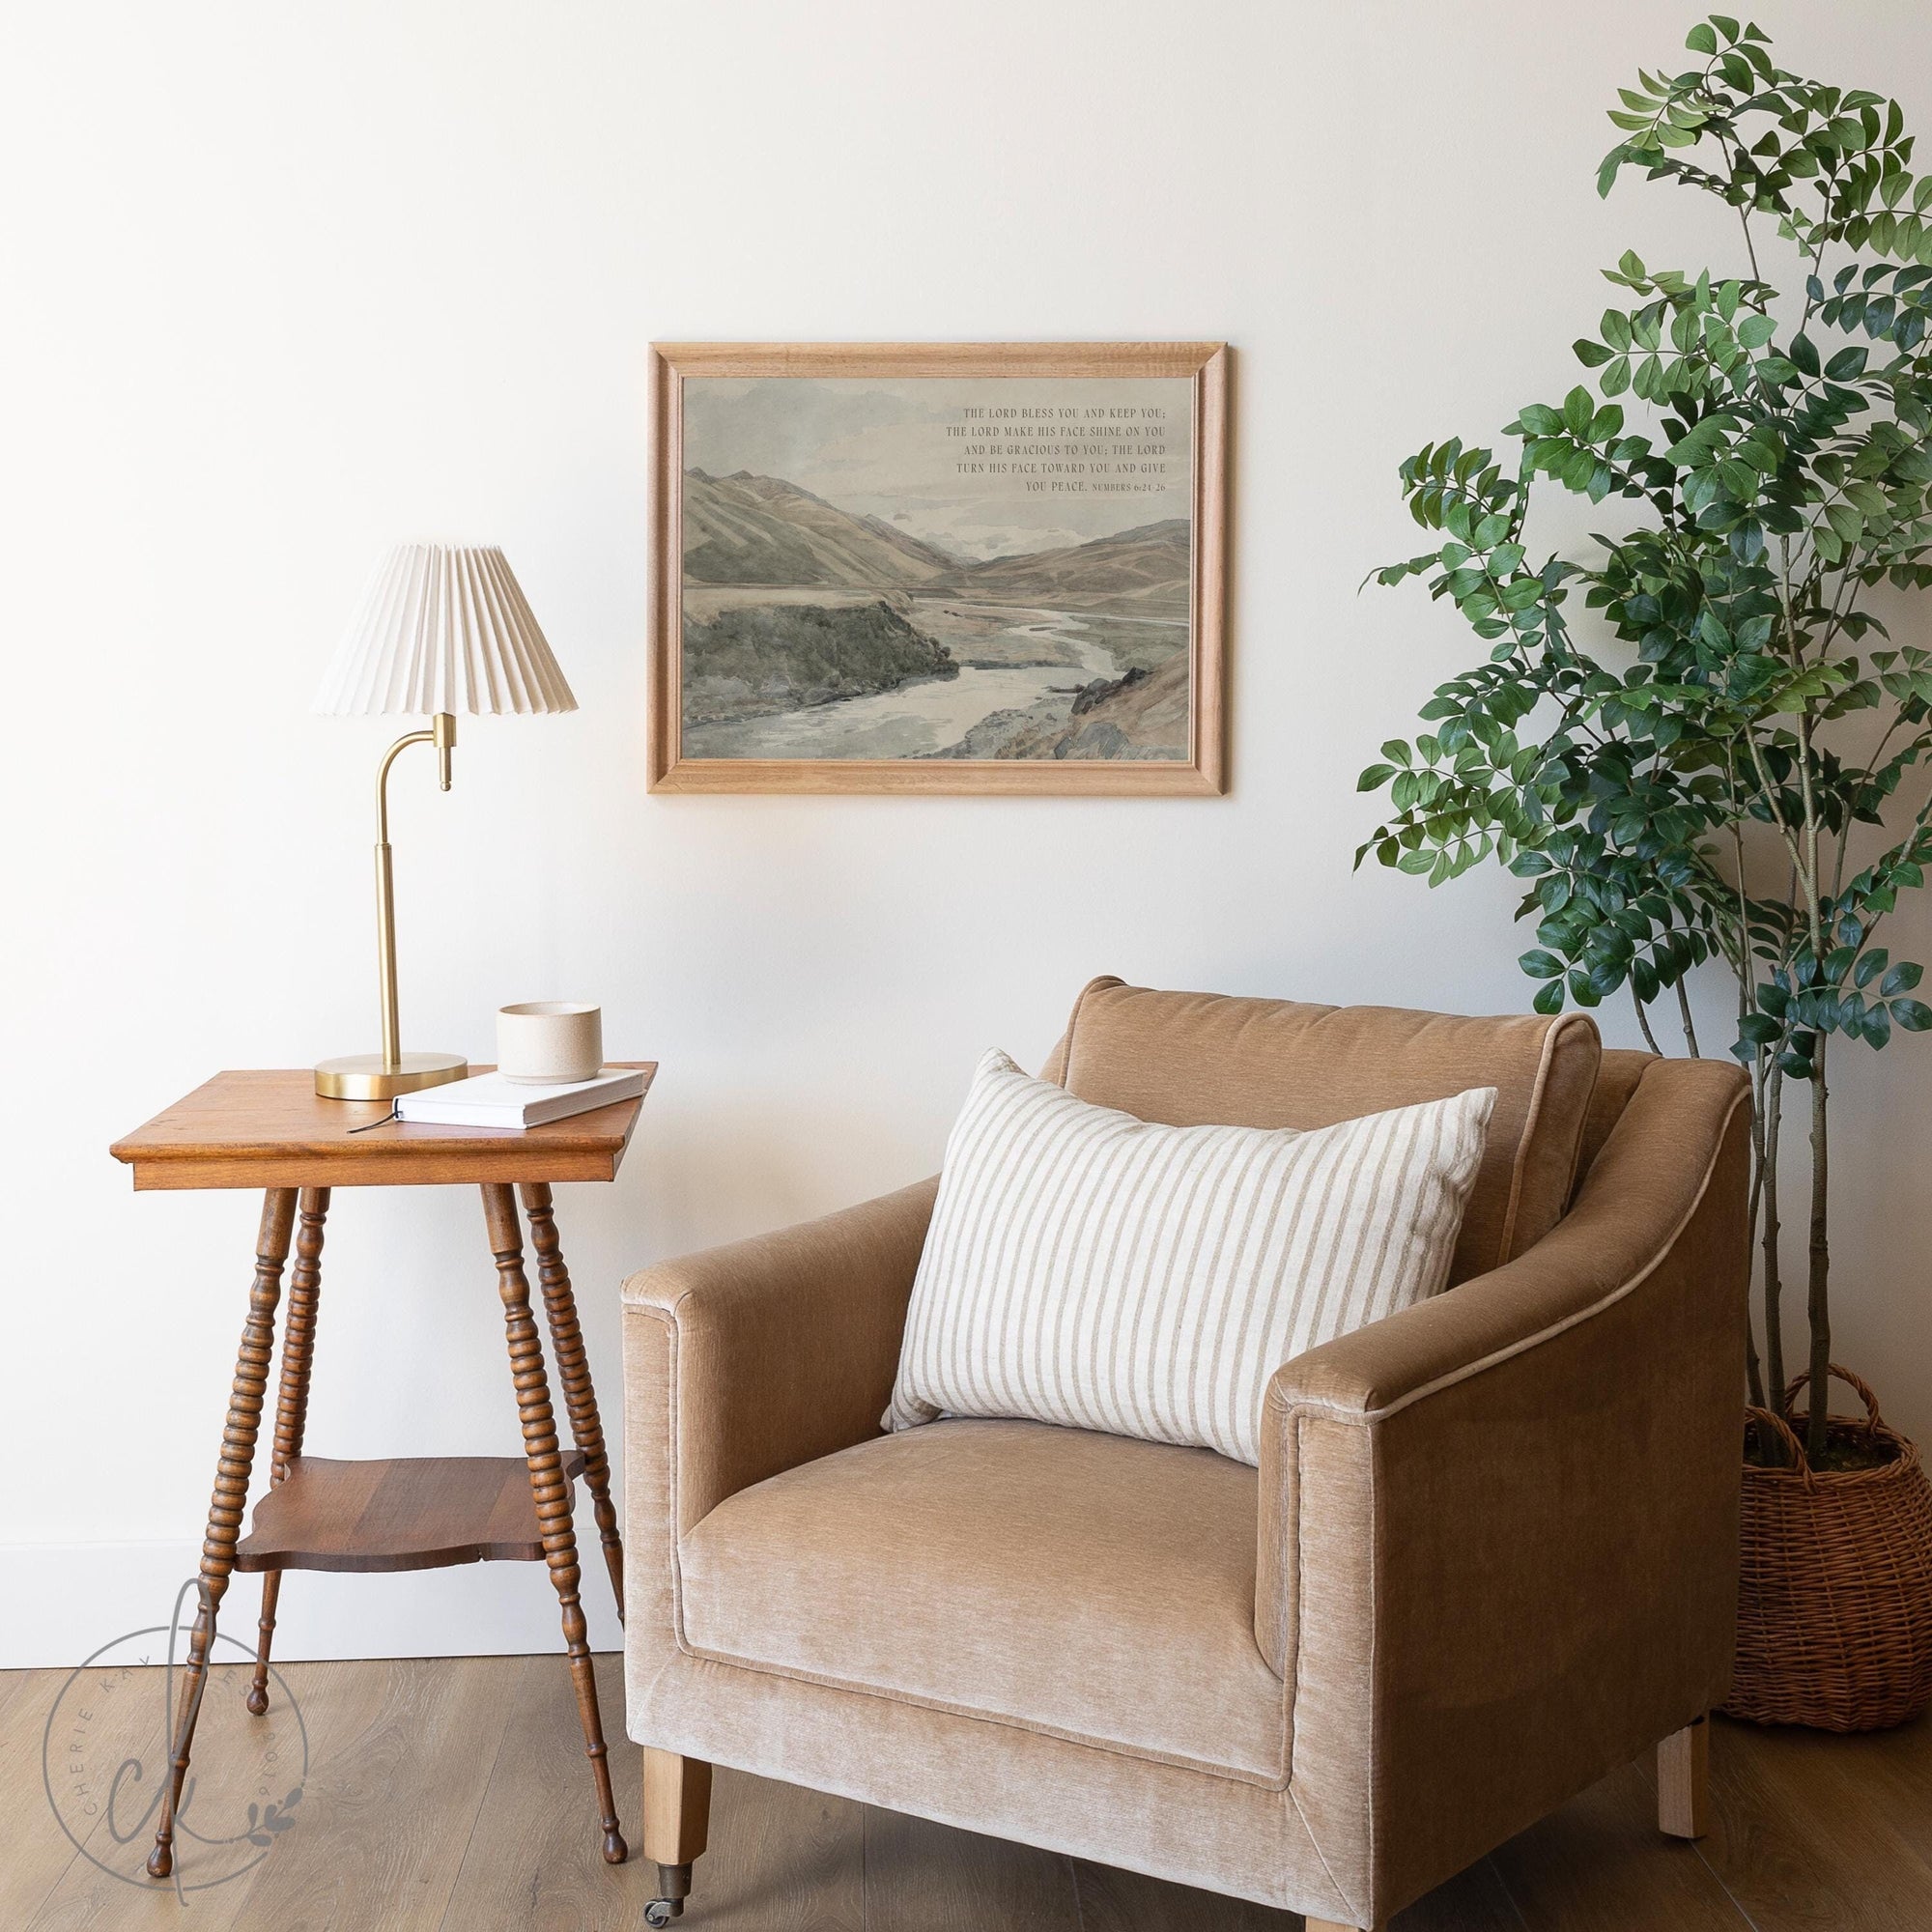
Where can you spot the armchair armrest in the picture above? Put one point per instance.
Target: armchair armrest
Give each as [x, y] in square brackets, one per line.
[772, 1352]
[1498, 1532]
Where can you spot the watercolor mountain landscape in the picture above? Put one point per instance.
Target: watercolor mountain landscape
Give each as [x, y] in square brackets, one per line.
[816, 630]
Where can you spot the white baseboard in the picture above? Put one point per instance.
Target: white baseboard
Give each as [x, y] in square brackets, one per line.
[61, 1602]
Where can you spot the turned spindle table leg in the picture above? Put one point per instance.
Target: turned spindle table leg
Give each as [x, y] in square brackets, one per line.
[573, 1367]
[230, 1501]
[549, 1487]
[290, 1403]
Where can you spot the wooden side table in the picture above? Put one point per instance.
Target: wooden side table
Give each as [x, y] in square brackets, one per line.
[269, 1130]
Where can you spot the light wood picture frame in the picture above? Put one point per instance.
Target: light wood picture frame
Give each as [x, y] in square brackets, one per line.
[954, 567]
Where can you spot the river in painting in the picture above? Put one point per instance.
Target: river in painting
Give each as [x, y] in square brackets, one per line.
[925, 716]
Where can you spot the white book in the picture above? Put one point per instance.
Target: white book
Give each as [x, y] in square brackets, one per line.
[488, 1100]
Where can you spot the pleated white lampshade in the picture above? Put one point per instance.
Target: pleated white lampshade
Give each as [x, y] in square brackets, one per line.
[445, 627]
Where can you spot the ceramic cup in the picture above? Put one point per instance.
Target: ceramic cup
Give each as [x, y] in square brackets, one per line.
[547, 1043]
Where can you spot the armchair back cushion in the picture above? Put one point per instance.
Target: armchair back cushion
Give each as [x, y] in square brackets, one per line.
[1616, 1084]
[1195, 1058]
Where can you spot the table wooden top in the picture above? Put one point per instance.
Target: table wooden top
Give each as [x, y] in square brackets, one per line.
[256, 1129]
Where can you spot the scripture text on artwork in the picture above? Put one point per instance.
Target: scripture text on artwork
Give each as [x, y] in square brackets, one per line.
[1066, 451]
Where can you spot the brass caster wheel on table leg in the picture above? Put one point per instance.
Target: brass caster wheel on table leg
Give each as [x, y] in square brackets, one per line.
[674, 1887]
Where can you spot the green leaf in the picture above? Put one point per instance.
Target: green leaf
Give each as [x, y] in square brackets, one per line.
[1912, 1015]
[1592, 354]
[1804, 354]
[1900, 980]
[1578, 406]
[1374, 777]
[1701, 39]
[1548, 999]
[1755, 330]
[1541, 965]
[1846, 522]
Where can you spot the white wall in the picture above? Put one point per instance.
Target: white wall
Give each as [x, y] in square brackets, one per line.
[288, 283]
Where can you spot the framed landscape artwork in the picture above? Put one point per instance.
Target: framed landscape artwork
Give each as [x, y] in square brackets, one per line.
[945, 568]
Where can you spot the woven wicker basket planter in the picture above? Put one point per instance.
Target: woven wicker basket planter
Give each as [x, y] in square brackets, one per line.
[1835, 1599]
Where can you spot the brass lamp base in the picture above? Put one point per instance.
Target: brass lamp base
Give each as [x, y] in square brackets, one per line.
[365, 1076]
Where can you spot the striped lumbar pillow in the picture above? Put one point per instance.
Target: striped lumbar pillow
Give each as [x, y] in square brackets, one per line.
[1089, 1269]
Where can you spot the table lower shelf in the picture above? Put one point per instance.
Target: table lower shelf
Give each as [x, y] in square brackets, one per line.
[405, 1513]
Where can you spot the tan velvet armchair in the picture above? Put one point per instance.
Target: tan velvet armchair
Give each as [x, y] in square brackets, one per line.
[1489, 1554]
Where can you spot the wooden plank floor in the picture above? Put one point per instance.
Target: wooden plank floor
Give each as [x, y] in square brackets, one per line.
[453, 1794]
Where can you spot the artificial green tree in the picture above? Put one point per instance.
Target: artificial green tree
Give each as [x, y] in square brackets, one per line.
[1724, 764]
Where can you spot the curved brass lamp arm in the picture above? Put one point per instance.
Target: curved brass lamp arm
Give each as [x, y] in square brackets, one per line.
[442, 735]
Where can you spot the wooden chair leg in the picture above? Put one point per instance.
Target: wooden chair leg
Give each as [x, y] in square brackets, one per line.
[677, 1821]
[1684, 1781]
[230, 1500]
[550, 1489]
[291, 1404]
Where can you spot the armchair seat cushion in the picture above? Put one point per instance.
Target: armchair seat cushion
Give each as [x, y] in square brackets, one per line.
[1093, 1587]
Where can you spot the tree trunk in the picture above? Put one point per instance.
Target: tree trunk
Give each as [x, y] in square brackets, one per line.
[1685, 1021]
[1753, 1367]
[1821, 1264]
[1773, 1284]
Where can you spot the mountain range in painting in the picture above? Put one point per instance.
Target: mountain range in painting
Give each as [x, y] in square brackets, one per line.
[745, 529]
[802, 620]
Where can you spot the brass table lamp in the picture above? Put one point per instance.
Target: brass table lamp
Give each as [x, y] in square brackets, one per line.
[444, 628]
